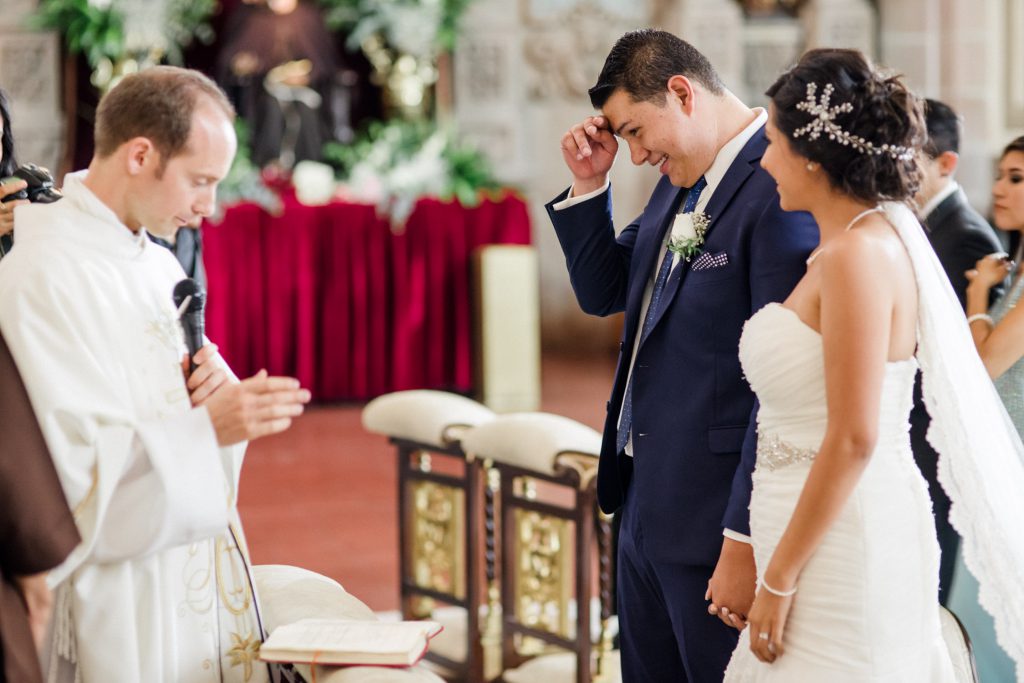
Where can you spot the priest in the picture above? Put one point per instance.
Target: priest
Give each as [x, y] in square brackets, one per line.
[149, 459]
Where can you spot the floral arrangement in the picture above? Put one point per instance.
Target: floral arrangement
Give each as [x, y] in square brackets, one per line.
[120, 36]
[397, 162]
[420, 28]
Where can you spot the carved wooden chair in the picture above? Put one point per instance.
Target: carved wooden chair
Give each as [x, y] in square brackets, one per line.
[556, 555]
[441, 557]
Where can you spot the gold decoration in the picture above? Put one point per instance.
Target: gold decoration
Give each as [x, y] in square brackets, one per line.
[244, 652]
[544, 578]
[437, 552]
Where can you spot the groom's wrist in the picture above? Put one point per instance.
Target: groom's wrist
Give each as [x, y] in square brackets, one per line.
[736, 536]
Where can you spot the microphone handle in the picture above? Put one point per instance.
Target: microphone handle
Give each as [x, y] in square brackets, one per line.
[193, 326]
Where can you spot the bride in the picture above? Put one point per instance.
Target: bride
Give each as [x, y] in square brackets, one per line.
[840, 516]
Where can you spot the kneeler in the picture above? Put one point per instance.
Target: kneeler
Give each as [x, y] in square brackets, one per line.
[288, 594]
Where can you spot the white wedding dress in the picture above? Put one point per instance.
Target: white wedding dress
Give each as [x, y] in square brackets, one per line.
[866, 609]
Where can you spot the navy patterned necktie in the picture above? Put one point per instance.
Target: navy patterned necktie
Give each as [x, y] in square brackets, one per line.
[626, 419]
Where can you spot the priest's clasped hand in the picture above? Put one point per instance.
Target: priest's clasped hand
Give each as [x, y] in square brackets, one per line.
[255, 407]
[208, 376]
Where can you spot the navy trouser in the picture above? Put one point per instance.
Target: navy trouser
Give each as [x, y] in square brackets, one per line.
[665, 631]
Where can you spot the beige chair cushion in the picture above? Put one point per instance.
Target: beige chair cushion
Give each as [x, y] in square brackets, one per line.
[959, 648]
[287, 594]
[531, 440]
[559, 668]
[424, 416]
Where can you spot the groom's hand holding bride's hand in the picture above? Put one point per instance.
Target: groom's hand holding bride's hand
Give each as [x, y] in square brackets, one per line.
[731, 588]
[589, 150]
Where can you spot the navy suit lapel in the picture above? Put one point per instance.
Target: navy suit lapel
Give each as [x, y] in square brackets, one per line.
[734, 178]
[649, 249]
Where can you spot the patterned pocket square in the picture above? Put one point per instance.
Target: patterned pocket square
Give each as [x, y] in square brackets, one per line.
[707, 261]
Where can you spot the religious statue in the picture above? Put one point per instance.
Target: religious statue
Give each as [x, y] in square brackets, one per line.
[278, 65]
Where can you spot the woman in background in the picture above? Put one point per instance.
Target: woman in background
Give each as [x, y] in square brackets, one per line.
[999, 335]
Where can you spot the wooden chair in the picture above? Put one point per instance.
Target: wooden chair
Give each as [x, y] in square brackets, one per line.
[959, 644]
[441, 559]
[554, 544]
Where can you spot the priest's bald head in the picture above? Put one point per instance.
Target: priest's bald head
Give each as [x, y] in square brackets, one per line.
[164, 140]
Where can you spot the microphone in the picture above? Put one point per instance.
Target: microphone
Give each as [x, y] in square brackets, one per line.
[189, 298]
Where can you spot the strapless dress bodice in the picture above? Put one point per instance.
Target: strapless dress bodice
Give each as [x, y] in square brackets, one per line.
[783, 359]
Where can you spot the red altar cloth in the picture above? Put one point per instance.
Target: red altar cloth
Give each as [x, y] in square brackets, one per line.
[331, 295]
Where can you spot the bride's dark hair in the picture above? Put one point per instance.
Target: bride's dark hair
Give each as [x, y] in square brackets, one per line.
[883, 112]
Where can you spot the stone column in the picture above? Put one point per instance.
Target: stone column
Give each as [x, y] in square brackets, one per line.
[715, 27]
[840, 23]
[30, 70]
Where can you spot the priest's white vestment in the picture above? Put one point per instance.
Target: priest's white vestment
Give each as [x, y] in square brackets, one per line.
[158, 590]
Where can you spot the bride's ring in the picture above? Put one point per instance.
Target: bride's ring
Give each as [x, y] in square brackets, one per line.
[762, 636]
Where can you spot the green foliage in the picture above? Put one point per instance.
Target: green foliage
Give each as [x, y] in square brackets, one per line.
[188, 20]
[99, 33]
[96, 32]
[361, 17]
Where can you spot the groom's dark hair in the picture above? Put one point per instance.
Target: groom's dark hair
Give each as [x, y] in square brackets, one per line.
[642, 61]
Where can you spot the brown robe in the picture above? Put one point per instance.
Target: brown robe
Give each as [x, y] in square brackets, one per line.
[37, 530]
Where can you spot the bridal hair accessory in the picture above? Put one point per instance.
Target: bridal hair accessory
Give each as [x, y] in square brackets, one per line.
[824, 121]
[773, 591]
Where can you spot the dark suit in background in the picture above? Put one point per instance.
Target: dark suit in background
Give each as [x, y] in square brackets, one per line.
[37, 530]
[960, 236]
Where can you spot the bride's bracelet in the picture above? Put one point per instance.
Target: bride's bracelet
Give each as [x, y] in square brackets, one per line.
[984, 317]
[781, 594]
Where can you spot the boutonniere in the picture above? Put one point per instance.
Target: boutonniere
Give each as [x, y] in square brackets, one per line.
[687, 234]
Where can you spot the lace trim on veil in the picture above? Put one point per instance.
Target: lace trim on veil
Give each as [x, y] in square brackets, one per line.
[981, 458]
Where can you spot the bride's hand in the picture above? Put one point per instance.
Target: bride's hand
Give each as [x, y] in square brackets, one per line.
[767, 621]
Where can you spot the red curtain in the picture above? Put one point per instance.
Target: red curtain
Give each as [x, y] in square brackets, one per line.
[332, 296]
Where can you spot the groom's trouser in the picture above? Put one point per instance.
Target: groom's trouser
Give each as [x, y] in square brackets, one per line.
[665, 631]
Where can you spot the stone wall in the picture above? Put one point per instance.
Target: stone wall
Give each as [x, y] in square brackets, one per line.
[30, 69]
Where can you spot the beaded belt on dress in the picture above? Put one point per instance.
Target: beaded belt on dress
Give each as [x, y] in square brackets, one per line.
[774, 453]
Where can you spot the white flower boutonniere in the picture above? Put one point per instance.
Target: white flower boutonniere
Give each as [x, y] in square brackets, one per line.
[688, 232]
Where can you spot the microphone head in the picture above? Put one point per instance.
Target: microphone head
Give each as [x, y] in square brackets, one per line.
[189, 288]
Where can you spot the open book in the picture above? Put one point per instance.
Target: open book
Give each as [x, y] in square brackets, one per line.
[344, 642]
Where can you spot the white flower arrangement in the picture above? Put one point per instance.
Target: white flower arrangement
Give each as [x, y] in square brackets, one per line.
[687, 236]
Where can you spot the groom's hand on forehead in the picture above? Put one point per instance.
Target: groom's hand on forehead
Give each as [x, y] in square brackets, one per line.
[589, 149]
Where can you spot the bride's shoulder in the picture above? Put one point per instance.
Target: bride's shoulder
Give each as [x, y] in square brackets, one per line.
[872, 250]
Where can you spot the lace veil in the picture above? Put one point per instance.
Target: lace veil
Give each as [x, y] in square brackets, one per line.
[981, 458]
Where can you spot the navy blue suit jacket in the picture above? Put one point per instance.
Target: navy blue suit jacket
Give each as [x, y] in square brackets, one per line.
[692, 407]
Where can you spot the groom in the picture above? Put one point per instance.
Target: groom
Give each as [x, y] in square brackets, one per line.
[680, 411]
